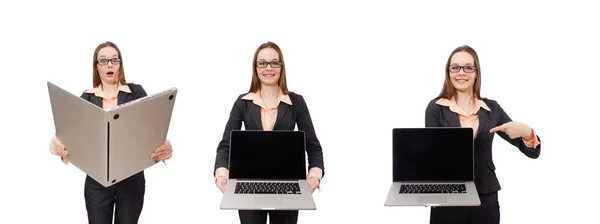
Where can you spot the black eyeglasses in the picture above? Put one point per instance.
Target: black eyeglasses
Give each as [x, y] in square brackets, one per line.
[264, 64]
[114, 61]
[466, 68]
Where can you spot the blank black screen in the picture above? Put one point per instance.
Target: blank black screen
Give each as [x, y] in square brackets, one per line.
[267, 154]
[433, 154]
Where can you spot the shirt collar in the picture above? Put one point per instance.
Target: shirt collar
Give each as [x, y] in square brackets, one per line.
[451, 103]
[99, 93]
[256, 99]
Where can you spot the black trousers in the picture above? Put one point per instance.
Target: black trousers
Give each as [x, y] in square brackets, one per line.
[275, 217]
[126, 197]
[487, 213]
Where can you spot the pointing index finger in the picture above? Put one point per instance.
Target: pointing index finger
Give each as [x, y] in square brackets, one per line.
[497, 128]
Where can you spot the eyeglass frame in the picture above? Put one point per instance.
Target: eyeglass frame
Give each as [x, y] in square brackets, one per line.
[462, 68]
[112, 61]
[270, 64]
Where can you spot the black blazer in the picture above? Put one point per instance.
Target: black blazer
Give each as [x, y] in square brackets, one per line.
[287, 118]
[137, 91]
[485, 176]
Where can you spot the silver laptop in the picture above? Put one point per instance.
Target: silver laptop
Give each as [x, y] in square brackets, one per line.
[111, 145]
[267, 171]
[433, 167]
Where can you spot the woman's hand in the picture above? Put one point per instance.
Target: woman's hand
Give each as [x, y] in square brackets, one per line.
[514, 130]
[162, 153]
[221, 177]
[57, 148]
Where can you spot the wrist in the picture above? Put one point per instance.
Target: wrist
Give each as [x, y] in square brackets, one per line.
[221, 171]
[314, 178]
[315, 172]
[529, 135]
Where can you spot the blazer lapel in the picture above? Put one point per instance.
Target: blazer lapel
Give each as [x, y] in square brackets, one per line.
[483, 117]
[121, 97]
[255, 114]
[281, 110]
[451, 117]
[96, 100]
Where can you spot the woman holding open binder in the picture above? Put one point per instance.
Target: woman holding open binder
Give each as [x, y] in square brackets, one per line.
[269, 95]
[460, 104]
[109, 90]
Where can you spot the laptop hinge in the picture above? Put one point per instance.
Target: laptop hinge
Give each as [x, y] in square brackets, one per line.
[108, 152]
[264, 179]
[426, 182]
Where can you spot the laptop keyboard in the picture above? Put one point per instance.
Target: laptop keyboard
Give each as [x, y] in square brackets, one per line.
[267, 188]
[433, 189]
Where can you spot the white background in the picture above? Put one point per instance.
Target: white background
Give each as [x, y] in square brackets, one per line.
[363, 68]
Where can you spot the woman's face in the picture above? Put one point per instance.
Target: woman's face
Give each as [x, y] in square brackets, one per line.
[268, 66]
[463, 71]
[108, 64]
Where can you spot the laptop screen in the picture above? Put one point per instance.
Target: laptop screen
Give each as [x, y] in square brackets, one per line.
[267, 155]
[433, 154]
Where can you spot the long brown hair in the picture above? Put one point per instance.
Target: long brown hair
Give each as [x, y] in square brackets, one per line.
[448, 90]
[97, 81]
[282, 83]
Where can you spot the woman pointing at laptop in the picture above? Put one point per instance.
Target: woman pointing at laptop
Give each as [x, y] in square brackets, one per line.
[460, 104]
[109, 90]
[268, 96]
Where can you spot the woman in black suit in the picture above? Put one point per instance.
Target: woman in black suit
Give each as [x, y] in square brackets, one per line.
[459, 104]
[109, 90]
[269, 105]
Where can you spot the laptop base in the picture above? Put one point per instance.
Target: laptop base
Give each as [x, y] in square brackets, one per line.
[291, 201]
[471, 198]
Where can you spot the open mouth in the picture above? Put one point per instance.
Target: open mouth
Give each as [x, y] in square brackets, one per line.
[110, 73]
[269, 75]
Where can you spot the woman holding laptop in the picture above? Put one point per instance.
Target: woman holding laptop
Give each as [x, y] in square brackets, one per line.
[460, 104]
[109, 87]
[268, 95]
